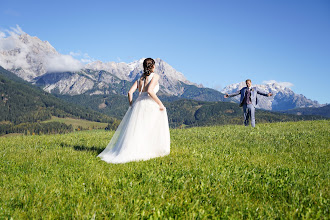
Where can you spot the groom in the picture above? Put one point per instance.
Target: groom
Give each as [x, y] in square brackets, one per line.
[248, 101]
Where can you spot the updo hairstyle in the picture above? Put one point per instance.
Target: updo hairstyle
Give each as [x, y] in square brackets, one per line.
[148, 65]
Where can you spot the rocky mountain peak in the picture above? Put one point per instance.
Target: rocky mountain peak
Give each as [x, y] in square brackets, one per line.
[29, 57]
[37, 61]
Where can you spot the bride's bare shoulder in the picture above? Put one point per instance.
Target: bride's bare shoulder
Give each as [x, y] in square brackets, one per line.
[156, 76]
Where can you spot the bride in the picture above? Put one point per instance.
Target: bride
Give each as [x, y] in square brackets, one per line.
[143, 132]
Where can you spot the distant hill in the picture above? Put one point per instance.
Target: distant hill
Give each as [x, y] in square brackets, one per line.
[21, 102]
[111, 105]
[198, 113]
[116, 105]
[183, 112]
[323, 111]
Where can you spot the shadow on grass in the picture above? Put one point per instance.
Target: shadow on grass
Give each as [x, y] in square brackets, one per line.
[83, 148]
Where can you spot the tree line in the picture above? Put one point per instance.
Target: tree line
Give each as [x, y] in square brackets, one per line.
[23, 108]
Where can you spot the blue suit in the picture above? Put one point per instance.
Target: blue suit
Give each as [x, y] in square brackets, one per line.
[248, 109]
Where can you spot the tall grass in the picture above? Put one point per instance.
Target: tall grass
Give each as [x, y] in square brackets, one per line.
[278, 170]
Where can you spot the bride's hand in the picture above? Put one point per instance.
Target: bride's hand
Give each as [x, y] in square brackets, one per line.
[161, 107]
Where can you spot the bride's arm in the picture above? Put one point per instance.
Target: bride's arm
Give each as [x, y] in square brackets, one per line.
[151, 92]
[130, 93]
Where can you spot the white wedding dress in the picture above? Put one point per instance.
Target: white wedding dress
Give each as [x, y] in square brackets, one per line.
[142, 134]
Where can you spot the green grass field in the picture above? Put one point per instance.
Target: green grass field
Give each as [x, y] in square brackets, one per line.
[76, 123]
[278, 170]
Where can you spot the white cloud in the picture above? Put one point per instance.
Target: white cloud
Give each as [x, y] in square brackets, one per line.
[75, 54]
[46, 56]
[83, 57]
[283, 84]
[9, 42]
[2, 35]
[86, 60]
[62, 63]
[18, 30]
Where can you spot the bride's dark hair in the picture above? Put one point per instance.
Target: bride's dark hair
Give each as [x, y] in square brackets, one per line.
[148, 64]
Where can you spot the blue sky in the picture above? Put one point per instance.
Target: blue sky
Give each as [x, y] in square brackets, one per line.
[212, 42]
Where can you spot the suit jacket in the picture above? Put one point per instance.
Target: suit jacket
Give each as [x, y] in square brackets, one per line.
[254, 93]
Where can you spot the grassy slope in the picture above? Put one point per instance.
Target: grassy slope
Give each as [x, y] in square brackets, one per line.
[23, 102]
[85, 124]
[280, 170]
[184, 112]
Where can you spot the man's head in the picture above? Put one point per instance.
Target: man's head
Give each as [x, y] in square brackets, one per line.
[248, 82]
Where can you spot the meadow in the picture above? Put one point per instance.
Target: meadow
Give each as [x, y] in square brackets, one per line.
[78, 124]
[275, 171]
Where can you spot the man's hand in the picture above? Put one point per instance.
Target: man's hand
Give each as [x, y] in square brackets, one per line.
[226, 96]
[269, 94]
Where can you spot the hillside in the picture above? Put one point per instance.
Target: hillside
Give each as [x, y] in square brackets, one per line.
[278, 171]
[323, 111]
[24, 103]
[183, 112]
[198, 113]
[111, 105]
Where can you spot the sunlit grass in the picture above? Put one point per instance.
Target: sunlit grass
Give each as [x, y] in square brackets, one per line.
[278, 170]
[78, 123]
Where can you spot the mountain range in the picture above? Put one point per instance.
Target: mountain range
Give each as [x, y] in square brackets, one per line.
[26, 108]
[38, 62]
[283, 97]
